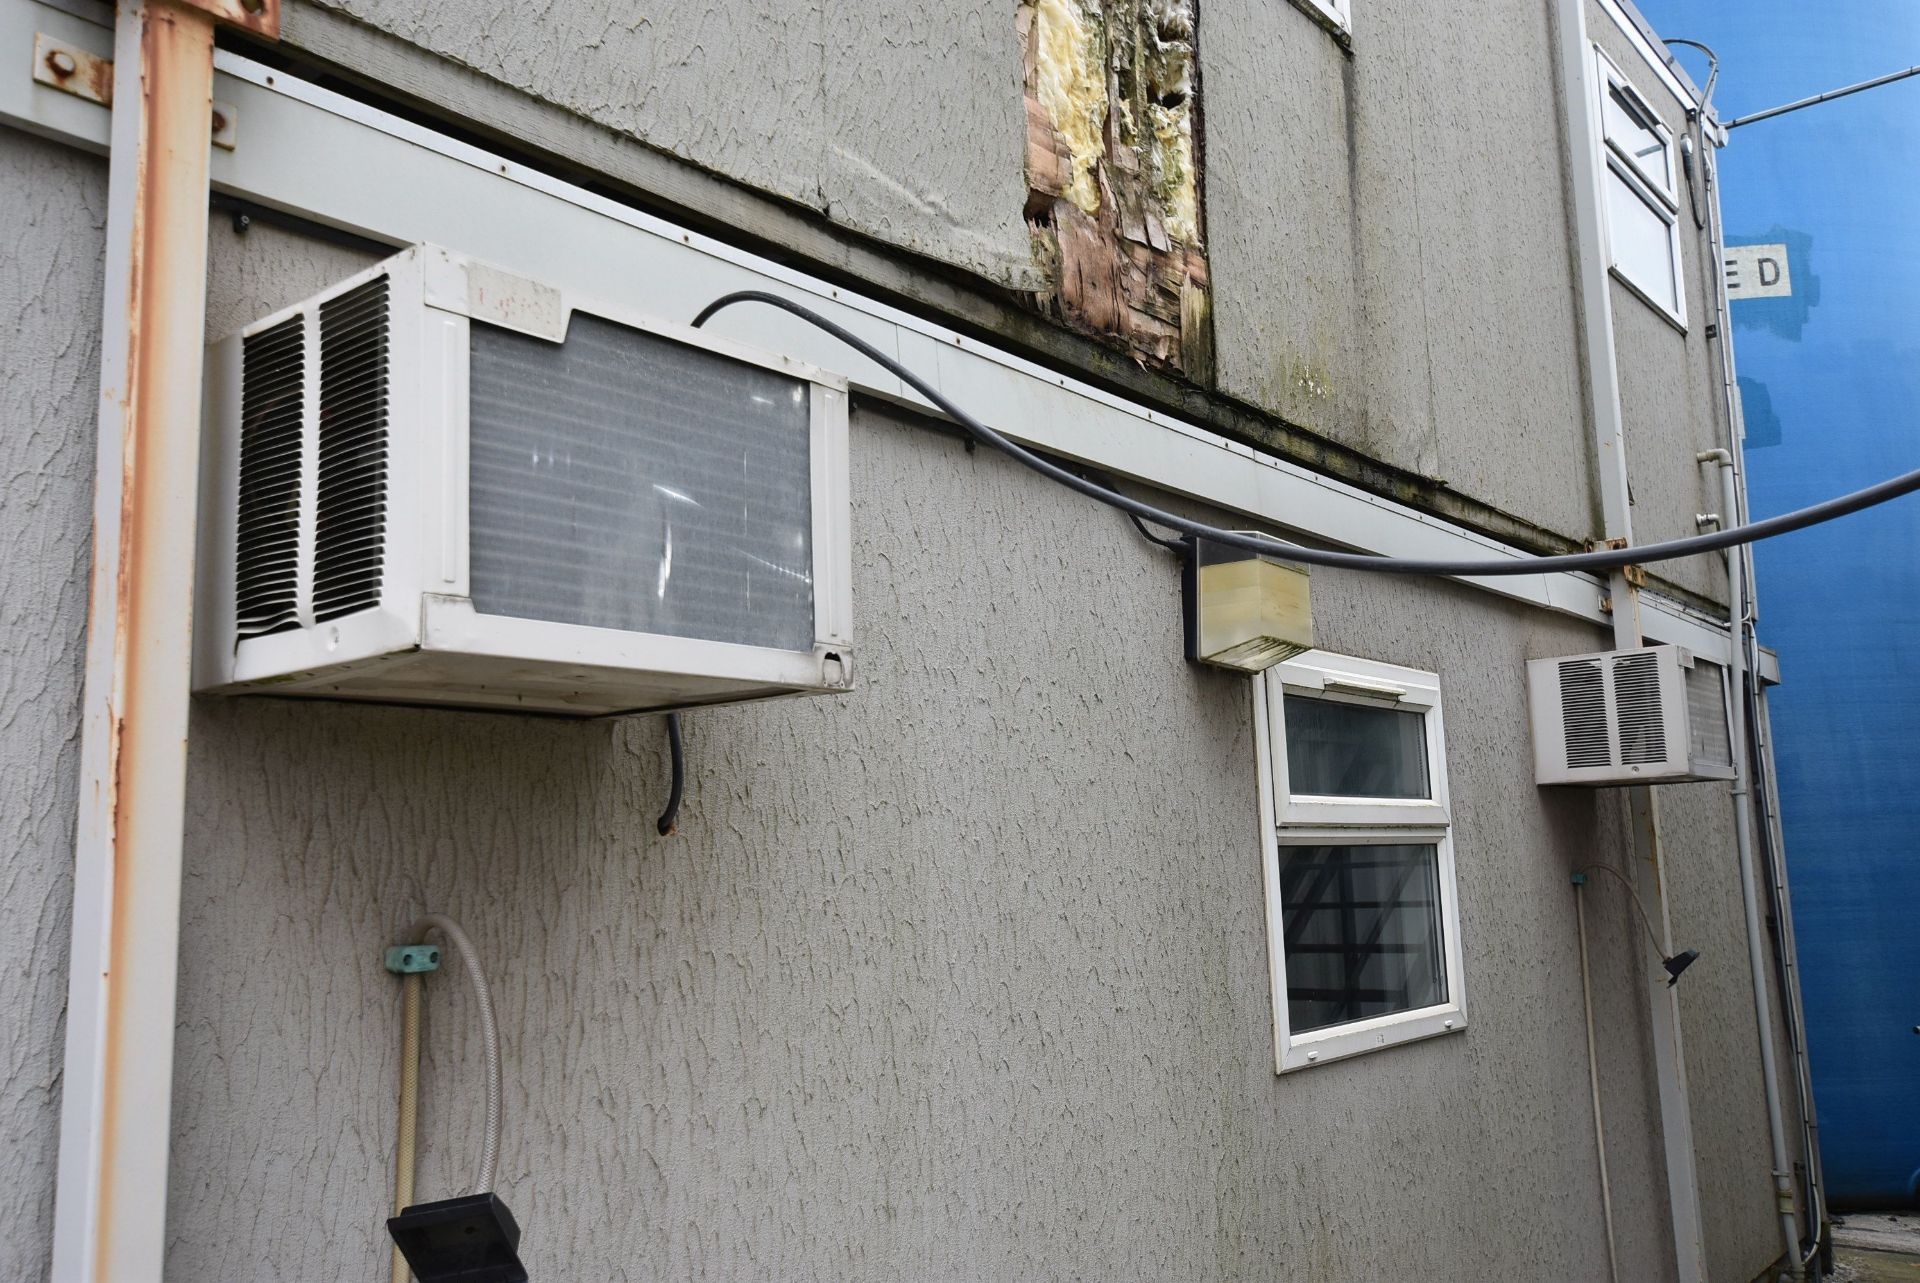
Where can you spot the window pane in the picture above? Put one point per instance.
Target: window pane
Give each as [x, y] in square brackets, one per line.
[1642, 246]
[1362, 927]
[1631, 129]
[1354, 750]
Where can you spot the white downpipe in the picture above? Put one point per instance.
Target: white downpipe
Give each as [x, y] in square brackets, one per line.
[1583, 137]
[1745, 643]
[1749, 895]
[115, 1113]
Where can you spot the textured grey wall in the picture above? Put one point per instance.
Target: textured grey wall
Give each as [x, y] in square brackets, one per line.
[902, 121]
[960, 976]
[52, 225]
[1390, 241]
[1383, 273]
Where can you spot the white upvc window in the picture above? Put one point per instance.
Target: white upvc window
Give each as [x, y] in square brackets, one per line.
[1363, 922]
[1642, 208]
[1337, 14]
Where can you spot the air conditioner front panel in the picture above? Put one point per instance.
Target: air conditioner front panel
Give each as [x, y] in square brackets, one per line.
[623, 480]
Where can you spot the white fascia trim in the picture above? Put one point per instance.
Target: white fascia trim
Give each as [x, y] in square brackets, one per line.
[339, 161]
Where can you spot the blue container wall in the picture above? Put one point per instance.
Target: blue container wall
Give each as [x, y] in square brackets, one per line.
[1830, 379]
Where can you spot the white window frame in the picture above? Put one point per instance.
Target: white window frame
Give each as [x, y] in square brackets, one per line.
[1660, 193]
[1290, 820]
[1337, 14]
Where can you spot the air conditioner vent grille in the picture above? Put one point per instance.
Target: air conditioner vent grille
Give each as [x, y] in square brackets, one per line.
[1636, 690]
[1583, 712]
[350, 515]
[1709, 738]
[267, 539]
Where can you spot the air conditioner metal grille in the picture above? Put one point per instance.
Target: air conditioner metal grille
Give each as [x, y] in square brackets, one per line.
[1583, 712]
[1636, 691]
[1707, 731]
[267, 537]
[350, 513]
[623, 480]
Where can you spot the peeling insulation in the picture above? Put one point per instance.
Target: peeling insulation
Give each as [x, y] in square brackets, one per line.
[1113, 177]
[1066, 78]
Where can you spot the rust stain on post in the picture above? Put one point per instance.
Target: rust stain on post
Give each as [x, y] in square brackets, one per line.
[1113, 201]
[158, 406]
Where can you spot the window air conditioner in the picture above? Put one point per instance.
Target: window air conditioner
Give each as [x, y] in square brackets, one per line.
[1652, 716]
[440, 483]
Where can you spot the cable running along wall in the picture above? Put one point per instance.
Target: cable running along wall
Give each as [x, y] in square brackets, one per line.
[1263, 545]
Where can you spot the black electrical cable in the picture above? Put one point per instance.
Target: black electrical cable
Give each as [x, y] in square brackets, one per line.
[1263, 545]
[669, 818]
[1699, 172]
[1162, 540]
[1107, 482]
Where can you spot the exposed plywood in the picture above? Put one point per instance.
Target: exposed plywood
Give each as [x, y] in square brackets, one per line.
[1113, 177]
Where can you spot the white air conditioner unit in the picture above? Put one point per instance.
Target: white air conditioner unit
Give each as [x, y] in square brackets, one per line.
[1651, 716]
[441, 483]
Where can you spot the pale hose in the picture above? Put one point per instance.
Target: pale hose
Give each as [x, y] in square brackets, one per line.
[1593, 1080]
[410, 1070]
[409, 1109]
[489, 1034]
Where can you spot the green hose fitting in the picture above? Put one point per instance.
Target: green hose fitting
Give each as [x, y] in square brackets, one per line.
[406, 959]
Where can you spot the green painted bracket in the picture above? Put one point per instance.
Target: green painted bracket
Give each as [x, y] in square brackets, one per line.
[406, 959]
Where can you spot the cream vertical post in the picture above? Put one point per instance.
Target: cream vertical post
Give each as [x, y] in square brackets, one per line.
[1580, 94]
[115, 1122]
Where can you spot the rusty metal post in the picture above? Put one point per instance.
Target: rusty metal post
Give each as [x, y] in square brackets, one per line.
[110, 1196]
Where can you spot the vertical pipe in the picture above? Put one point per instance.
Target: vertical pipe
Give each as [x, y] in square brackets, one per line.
[403, 1158]
[1580, 98]
[1593, 1081]
[1760, 723]
[115, 1119]
[1760, 760]
[1749, 897]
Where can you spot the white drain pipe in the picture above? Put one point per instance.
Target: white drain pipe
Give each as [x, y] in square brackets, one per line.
[1749, 897]
[116, 1099]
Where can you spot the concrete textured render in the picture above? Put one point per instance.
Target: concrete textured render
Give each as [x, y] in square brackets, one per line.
[963, 975]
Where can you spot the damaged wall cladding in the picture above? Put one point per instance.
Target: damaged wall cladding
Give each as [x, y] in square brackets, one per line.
[1113, 199]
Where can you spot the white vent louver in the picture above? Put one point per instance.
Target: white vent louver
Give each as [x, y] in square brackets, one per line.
[441, 483]
[1628, 717]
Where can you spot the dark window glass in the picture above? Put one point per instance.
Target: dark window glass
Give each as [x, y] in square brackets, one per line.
[1352, 750]
[1362, 929]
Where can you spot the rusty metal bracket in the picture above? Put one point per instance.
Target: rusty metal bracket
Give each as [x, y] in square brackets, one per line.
[76, 71]
[72, 70]
[259, 17]
[226, 125]
[1636, 576]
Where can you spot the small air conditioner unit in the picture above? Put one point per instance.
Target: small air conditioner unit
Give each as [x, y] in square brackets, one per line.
[441, 483]
[1650, 716]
